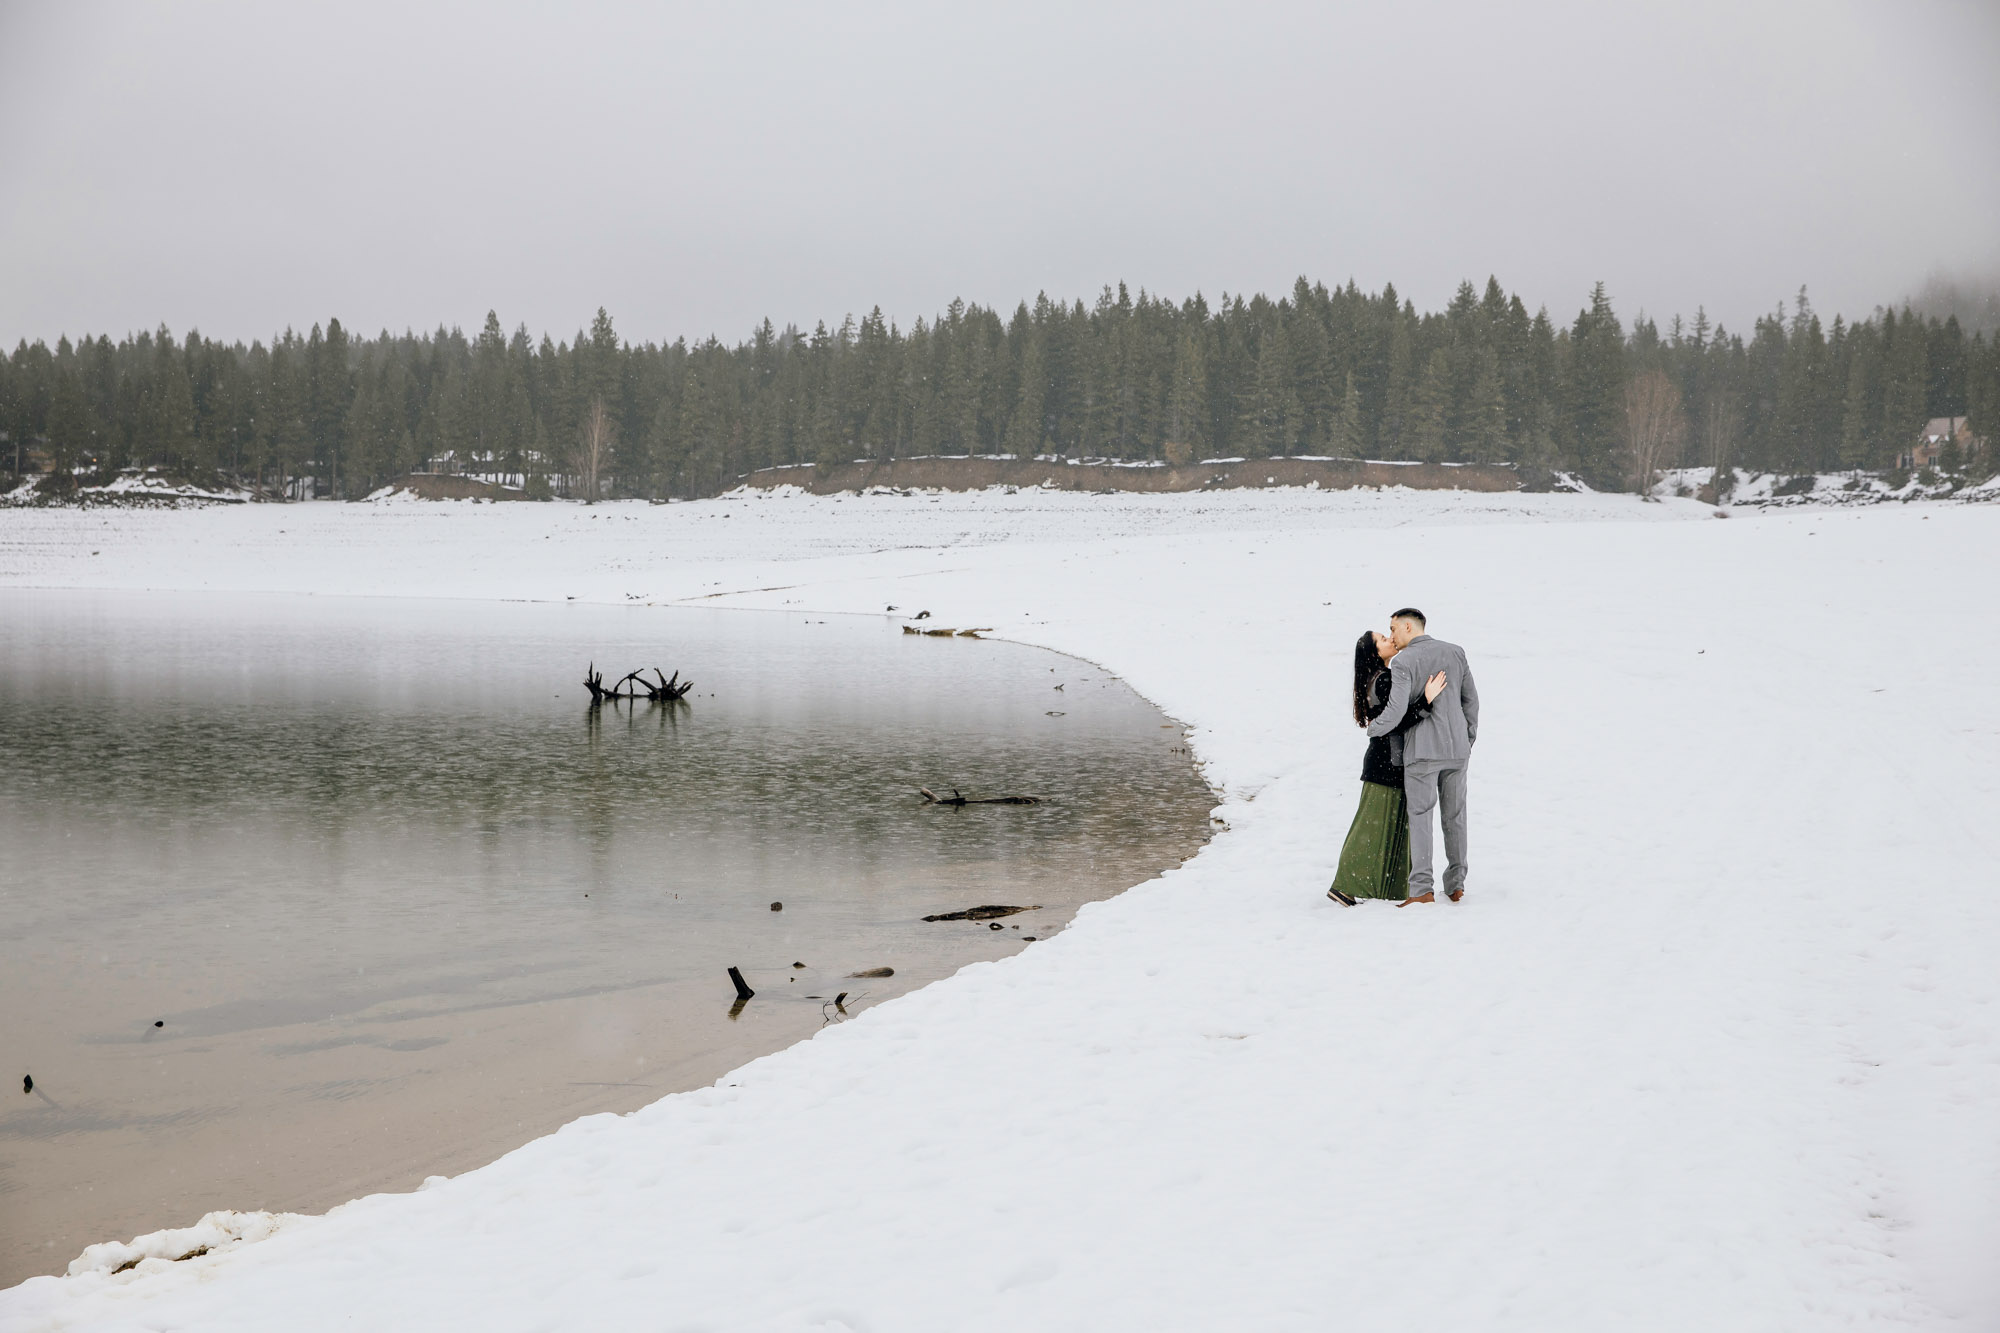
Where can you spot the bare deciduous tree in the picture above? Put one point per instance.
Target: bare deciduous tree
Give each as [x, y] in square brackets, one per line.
[1654, 426]
[593, 449]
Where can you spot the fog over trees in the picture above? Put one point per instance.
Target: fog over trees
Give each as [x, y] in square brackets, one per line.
[1318, 371]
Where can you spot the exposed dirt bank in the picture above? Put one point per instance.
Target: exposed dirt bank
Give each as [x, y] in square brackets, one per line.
[978, 473]
[452, 486]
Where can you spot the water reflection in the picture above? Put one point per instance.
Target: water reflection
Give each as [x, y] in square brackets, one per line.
[396, 915]
[666, 712]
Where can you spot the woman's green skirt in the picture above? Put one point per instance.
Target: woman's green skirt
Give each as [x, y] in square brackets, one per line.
[1375, 859]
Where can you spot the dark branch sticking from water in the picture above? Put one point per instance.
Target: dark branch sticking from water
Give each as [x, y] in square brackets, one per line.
[932, 798]
[980, 913]
[666, 691]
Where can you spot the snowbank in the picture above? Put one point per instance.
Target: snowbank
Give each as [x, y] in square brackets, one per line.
[135, 486]
[1711, 1044]
[151, 1253]
[1777, 490]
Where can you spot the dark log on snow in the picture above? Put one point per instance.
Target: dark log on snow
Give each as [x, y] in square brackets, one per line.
[932, 798]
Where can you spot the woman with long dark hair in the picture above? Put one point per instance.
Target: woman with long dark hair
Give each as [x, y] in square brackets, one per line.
[1375, 859]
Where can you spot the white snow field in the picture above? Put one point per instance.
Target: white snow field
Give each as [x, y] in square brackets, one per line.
[1712, 1043]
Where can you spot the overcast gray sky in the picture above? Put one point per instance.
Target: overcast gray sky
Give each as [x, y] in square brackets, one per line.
[245, 166]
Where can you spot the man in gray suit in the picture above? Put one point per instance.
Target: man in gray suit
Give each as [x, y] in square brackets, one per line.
[1436, 750]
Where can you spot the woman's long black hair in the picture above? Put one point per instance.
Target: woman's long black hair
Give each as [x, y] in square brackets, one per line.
[1367, 665]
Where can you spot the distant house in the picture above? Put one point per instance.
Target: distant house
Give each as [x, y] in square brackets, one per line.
[1931, 443]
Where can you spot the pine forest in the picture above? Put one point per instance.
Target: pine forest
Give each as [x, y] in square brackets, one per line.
[1320, 372]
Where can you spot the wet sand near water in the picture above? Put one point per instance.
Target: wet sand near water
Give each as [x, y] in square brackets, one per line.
[386, 1100]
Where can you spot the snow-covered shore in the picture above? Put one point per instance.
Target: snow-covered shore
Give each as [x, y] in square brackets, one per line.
[1711, 1044]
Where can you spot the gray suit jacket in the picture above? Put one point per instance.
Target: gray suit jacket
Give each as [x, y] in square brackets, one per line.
[1453, 724]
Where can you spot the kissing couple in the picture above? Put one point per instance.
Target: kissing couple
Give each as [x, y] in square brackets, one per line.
[1414, 696]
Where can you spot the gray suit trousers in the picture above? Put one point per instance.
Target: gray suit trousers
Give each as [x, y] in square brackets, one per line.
[1436, 784]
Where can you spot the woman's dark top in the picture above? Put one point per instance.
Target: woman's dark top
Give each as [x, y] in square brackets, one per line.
[1376, 765]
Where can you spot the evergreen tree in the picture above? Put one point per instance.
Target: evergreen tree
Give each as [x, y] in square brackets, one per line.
[1983, 398]
[170, 418]
[1026, 427]
[1271, 407]
[1187, 400]
[1540, 454]
[70, 430]
[1428, 406]
[1597, 390]
[1311, 380]
[1906, 381]
[1944, 355]
[1546, 404]
[1799, 432]
[287, 428]
[1486, 439]
[1350, 434]
[12, 445]
[489, 420]
[1399, 378]
[1857, 436]
[328, 387]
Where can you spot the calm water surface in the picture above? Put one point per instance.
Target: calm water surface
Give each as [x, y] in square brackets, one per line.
[302, 898]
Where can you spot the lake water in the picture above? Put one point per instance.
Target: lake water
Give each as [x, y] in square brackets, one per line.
[303, 898]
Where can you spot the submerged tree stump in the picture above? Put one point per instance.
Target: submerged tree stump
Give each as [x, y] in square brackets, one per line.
[634, 685]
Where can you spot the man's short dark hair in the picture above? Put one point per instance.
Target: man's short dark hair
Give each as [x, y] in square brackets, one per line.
[1411, 613]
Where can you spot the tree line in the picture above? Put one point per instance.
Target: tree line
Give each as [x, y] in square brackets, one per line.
[1320, 371]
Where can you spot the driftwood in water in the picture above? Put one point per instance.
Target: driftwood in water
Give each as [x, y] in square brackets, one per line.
[948, 633]
[743, 991]
[667, 691]
[980, 913]
[932, 798]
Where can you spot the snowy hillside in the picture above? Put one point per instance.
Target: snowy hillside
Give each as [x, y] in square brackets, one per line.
[1713, 1042]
